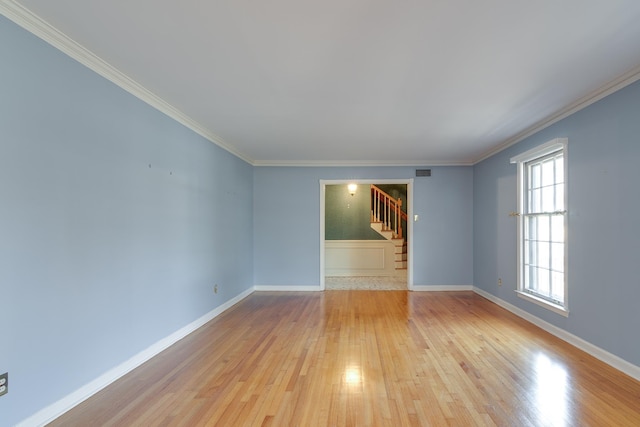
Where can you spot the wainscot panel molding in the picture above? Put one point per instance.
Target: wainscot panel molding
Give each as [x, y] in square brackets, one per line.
[359, 258]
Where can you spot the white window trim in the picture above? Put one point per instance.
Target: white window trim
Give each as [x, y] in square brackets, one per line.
[563, 310]
[540, 151]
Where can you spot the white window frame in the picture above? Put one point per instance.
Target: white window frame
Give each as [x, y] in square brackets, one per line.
[537, 153]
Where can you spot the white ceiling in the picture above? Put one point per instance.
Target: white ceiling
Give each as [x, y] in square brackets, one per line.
[361, 81]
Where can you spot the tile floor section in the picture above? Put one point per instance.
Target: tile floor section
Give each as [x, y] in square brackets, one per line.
[372, 283]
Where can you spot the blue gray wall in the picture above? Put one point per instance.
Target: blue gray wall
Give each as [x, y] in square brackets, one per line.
[287, 223]
[114, 225]
[603, 231]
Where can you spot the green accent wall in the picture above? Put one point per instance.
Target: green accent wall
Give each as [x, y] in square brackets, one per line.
[397, 191]
[348, 217]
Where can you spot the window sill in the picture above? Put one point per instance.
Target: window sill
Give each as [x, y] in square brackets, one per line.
[559, 309]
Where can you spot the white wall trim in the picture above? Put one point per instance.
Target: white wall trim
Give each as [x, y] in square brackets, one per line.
[25, 18]
[595, 351]
[624, 80]
[53, 411]
[40, 28]
[357, 163]
[31, 22]
[360, 258]
[409, 184]
[442, 288]
[285, 288]
[63, 405]
[548, 147]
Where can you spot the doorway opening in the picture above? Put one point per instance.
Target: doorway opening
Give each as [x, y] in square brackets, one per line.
[366, 234]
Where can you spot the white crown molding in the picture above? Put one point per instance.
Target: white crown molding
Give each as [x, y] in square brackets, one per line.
[53, 411]
[548, 147]
[355, 163]
[625, 80]
[595, 351]
[40, 28]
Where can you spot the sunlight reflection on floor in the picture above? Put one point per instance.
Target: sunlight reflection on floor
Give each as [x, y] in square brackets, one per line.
[551, 391]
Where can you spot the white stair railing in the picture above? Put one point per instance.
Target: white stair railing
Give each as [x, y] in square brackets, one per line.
[388, 211]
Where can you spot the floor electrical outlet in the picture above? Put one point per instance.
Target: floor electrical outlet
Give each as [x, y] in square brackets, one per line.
[4, 383]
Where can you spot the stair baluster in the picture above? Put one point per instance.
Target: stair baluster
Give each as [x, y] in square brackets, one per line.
[386, 219]
[387, 210]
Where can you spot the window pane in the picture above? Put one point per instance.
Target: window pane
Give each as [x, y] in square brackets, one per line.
[557, 228]
[534, 201]
[560, 169]
[558, 287]
[543, 228]
[532, 276]
[544, 287]
[531, 227]
[557, 256]
[559, 197]
[548, 199]
[548, 172]
[534, 176]
[533, 253]
[543, 254]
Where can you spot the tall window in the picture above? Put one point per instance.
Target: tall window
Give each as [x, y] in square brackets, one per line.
[542, 225]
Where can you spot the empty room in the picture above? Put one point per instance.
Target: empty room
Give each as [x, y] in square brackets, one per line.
[329, 213]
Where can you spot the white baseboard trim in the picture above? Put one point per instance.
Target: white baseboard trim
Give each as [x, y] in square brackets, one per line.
[441, 288]
[63, 405]
[595, 351]
[284, 288]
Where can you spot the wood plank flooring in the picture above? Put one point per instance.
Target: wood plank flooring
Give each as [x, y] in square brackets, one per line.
[366, 358]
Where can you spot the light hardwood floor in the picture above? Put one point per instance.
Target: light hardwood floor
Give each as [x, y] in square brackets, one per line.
[366, 358]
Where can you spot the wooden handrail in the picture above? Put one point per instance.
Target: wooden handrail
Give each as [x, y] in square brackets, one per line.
[387, 210]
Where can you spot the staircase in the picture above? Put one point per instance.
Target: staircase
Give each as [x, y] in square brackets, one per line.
[386, 220]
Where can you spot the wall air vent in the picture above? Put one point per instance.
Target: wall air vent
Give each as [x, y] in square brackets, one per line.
[423, 172]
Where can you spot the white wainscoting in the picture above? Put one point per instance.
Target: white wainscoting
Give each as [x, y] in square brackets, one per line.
[359, 258]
